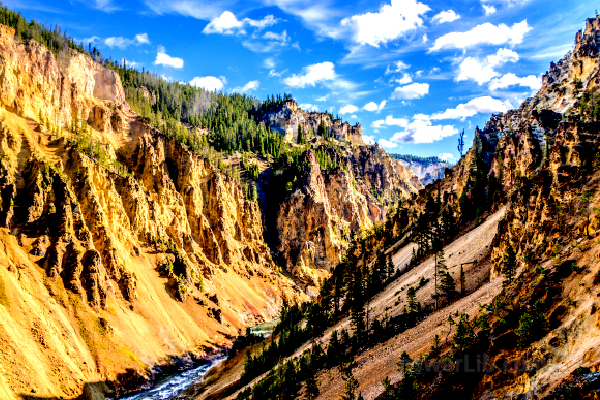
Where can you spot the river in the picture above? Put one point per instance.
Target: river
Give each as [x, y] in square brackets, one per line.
[172, 385]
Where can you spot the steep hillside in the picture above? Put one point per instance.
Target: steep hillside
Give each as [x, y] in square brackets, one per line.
[121, 248]
[531, 296]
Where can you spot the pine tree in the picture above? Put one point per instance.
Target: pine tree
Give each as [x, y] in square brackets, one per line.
[413, 304]
[350, 386]
[447, 284]
[509, 265]
[312, 390]
[391, 269]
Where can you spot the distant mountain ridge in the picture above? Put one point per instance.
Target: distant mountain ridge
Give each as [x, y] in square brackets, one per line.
[428, 169]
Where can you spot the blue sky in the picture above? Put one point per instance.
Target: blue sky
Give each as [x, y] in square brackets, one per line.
[413, 73]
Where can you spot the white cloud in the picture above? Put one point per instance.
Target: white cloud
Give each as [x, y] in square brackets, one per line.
[248, 87]
[406, 78]
[313, 74]
[446, 156]
[308, 107]
[121, 42]
[471, 68]
[390, 23]
[142, 38]
[274, 73]
[322, 98]
[531, 81]
[486, 33]
[277, 37]
[354, 116]
[390, 120]
[369, 139]
[445, 16]
[166, 60]
[483, 71]
[398, 66]
[386, 144]
[210, 83]
[349, 109]
[378, 123]
[482, 104]
[190, 8]
[228, 24]
[372, 106]
[489, 10]
[269, 63]
[501, 57]
[410, 92]
[422, 131]
[319, 73]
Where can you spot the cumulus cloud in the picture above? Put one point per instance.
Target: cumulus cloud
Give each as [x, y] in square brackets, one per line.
[410, 92]
[482, 104]
[163, 58]
[387, 144]
[372, 106]
[531, 81]
[489, 10]
[390, 120]
[392, 22]
[483, 34]
[349, 109]
[445, 16]
[446, 156]
[248, 87]
[397, 66]
[406, 78]
[228, 24]
[423, 131]
[482, 71]
[121, 42]
[210, 83]
[369, 139]
[313, 74]
[319, 73]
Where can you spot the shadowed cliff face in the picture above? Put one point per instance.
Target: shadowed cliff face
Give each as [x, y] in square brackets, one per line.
[316, 221]
[119, 247]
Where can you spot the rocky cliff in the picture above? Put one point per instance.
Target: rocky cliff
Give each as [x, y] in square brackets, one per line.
[289, 116]
[121, 249]
[315, 223]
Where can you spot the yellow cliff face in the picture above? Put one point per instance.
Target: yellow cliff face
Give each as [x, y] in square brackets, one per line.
[119, 247]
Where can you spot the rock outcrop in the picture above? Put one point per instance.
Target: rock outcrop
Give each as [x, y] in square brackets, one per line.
[289, 116]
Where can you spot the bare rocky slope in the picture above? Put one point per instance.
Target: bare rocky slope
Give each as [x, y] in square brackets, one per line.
[122, 250]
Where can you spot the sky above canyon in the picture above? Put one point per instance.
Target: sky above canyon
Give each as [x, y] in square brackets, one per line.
[413, 74]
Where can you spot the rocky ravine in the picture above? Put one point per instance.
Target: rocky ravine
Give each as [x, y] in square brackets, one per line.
[111, 267]
[121, 249]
